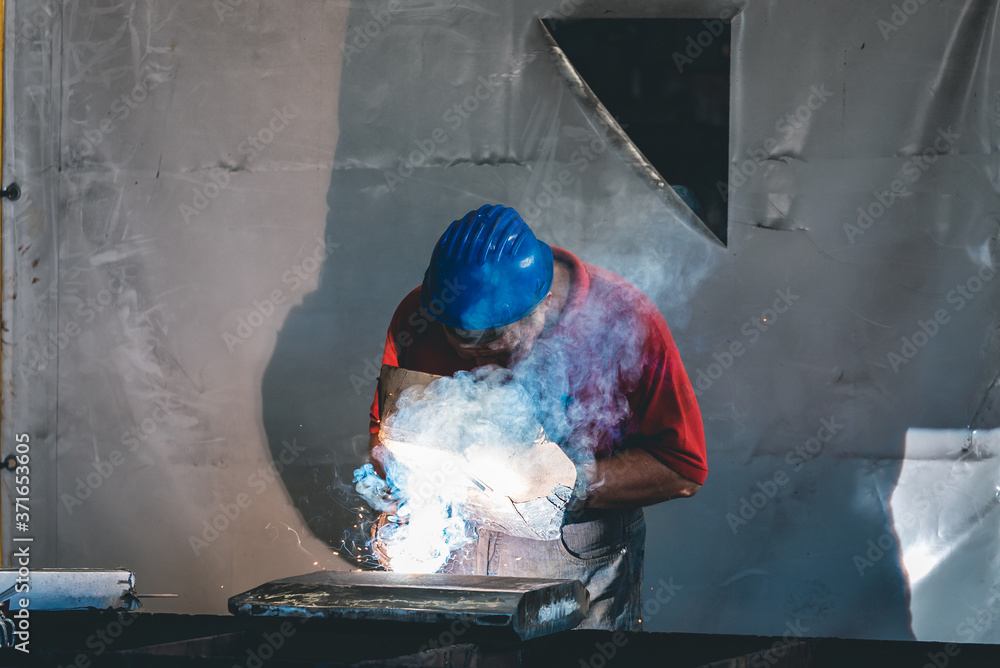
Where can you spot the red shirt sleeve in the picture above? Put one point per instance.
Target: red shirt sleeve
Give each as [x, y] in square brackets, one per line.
[667, 421]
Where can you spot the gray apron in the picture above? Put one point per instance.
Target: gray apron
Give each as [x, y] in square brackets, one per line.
[601, 548]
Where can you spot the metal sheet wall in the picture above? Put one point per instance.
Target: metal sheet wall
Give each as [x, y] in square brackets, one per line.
[225, 201]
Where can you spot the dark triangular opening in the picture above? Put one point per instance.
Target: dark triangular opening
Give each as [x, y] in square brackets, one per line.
[666, 82]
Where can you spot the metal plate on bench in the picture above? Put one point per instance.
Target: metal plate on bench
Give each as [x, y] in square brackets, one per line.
[530, 607]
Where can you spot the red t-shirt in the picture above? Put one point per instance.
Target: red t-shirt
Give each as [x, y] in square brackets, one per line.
[607, 373]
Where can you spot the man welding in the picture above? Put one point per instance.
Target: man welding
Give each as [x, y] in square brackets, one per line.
[608, 379]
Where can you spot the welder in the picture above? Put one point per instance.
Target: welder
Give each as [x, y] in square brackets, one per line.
[608, 379]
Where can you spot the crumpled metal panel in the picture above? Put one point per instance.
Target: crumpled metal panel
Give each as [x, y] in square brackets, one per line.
[944, 516]
[855, 299]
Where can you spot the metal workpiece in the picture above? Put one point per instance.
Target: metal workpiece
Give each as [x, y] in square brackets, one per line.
[529, 607]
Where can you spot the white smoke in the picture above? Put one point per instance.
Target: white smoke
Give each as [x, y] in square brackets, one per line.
[458, 436]
[443, 442]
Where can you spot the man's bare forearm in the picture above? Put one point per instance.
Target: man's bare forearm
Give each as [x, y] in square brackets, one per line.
[634, 478]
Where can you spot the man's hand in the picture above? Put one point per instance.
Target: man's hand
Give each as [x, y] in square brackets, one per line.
[634, 478]
[373, 489]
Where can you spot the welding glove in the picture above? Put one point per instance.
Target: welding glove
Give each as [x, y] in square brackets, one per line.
[546, 515]
[524, 474]
[527, 495]
[377, 492]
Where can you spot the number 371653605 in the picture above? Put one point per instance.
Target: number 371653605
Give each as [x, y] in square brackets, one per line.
[22, 480]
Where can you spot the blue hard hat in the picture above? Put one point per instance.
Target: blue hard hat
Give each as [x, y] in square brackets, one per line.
[487, 270]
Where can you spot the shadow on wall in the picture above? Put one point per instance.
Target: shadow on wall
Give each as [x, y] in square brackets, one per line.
[307, 395]
[319, 384]
[320, 381]
[304, 402]
[316, 393]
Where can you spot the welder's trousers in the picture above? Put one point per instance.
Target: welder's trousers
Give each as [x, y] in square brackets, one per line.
[602, 548]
